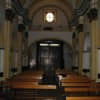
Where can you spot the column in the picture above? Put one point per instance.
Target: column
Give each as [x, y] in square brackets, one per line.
[93, 13]
[21, 29]
[25, 50]
[7, 38]
[74, 48]
[81, 39]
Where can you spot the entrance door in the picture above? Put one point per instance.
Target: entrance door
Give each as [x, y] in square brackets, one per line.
[50, 57]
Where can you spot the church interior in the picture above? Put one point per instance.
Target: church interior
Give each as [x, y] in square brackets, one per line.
[49, 50]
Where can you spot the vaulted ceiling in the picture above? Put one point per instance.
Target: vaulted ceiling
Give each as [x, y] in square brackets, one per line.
[35, 5]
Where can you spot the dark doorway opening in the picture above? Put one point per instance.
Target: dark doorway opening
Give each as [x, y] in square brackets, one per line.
[50, 54]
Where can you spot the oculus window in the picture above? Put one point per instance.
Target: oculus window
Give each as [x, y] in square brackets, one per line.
[50, 17]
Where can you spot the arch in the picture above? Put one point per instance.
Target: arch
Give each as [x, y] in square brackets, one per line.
[50, 6]
[41, 3]
[67, 51]
[86, 53]
[53, 39]
[77, 54]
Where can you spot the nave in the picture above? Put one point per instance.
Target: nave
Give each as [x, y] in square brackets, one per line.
[70, 86]
[49, 49]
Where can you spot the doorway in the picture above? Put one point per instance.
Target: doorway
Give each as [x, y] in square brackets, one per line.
[86, 55]
[50, 55]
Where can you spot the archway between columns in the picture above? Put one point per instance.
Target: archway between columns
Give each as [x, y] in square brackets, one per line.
[86, 54]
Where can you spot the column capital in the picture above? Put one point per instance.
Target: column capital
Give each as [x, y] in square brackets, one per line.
[92, 14]
[9, 14]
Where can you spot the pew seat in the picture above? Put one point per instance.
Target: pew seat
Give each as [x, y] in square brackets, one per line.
[76, 84]
[84, 98]
[81, 89]
[29, 85]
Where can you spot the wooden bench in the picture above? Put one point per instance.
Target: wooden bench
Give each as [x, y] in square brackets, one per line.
[83, 89]
[29, 85]
[86, 84]
[29, 90]
[27, 77]
[79, 85]
[84, 98]
[75, 79]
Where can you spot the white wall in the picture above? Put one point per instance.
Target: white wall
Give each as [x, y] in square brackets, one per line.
[40, 35]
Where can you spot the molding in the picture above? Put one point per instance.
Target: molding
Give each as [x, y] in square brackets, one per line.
[81, 11]
[19, 10]
[92, 14]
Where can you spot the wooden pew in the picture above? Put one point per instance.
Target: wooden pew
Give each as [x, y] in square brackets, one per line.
[29, 85]
[84, 98]
[74, 79]
[76, 84]
[28, 77]
[82, 88]
[26, 87]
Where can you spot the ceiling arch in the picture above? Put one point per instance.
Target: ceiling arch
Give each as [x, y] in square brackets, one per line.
[49, 6]
[58, 3]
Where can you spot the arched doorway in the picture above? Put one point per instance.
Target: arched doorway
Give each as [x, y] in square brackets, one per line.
[86, 55]
[59, 47]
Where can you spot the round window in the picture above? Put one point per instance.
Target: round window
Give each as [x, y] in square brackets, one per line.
[49, 17]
